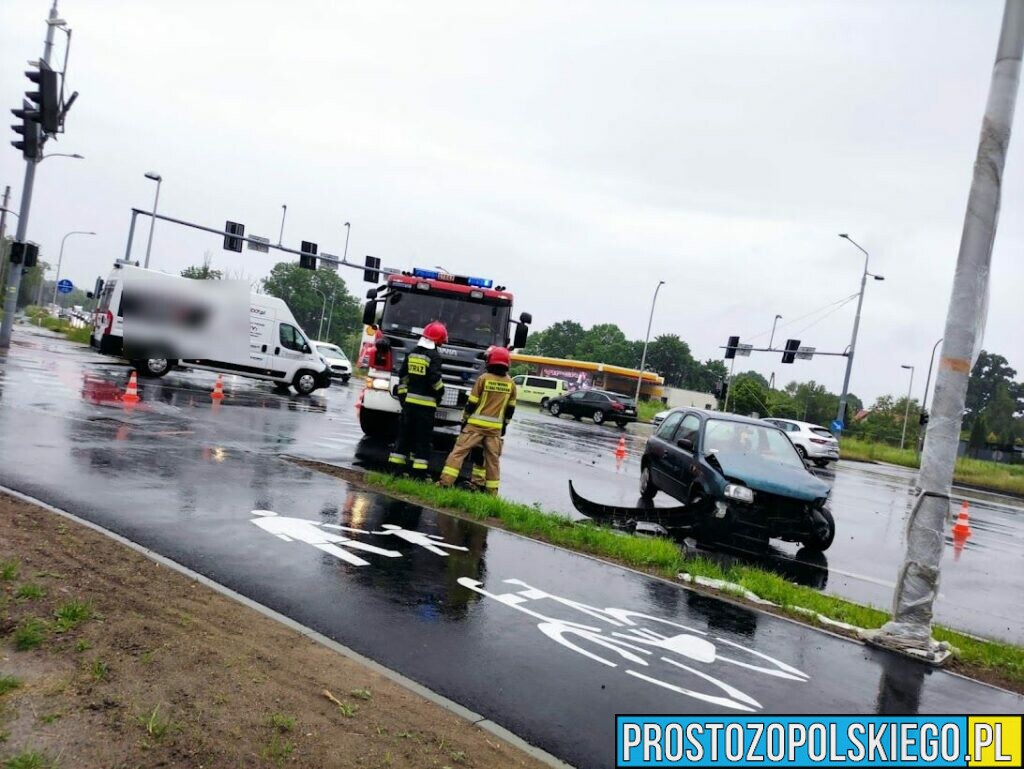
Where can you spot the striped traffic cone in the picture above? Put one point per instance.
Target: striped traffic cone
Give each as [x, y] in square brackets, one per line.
[131, 394]
[218, 388]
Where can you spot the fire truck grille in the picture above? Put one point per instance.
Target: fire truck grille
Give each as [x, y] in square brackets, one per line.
[453, 397]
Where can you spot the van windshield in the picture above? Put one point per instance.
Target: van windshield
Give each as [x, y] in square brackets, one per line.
[470, 322]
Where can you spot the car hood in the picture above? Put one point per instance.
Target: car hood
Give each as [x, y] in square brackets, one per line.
[772, 477]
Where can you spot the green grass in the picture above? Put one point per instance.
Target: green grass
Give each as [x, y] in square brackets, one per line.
[361, 694]
[156, 725]
[29, 591]
[645, 410]
[282, 723]
[663, 557]
[30, 634]
[98, 670]
[8, 684]
[9, 570]
[80, 335]
[72, 614]
[976, 472]
[278, 749]
[28, 759]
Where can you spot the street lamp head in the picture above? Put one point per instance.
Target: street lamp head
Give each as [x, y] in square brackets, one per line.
[154, 176]
[76, 156]
[906, 366]
[878, 277]
[348, 224]
[844, 235]
[778, 317]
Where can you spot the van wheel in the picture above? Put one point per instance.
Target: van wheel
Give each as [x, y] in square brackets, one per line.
[345, 378]
[378, 424]
[154, 367]
[304, 382]
[544, 403]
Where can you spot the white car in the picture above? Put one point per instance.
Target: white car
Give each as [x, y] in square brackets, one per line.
[658, 418]
[338, 362]
[812, 442]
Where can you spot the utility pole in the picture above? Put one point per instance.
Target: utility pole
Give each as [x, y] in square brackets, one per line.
[924, 402]
[14, 274]
[917, 583]
[643, 358]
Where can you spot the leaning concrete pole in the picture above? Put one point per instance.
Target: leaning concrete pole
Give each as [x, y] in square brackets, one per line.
[918, 579]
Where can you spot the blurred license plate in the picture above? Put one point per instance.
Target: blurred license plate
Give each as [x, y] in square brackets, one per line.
[630, 411]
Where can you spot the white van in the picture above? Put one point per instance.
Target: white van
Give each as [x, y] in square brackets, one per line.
[279, 350]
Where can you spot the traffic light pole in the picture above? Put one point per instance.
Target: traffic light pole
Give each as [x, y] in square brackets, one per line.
[14, 274]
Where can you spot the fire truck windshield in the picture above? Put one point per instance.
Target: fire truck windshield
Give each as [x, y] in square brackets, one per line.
[470, 322]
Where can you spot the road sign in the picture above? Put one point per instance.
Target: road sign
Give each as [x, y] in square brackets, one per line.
[805, 353]
[261, 244]
[743, 350]
[837, 425]
[65, 286]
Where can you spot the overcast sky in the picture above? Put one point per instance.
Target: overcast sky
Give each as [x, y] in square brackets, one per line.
[577, 152]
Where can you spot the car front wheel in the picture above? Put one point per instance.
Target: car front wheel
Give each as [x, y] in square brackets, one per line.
[598, 417]
[822, 530]
[304, 382]
[647, 487]
[555, 409]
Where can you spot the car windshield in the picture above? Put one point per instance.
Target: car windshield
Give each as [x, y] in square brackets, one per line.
[731, 438]
[472, 323]
[330, 349]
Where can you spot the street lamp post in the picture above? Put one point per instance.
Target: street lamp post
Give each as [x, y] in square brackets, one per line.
[348, 231]
[333, 295]
[60, 260]
[927, 385]
[643, 358]
[771, 383]
[906, 411]
[841, 413]
[152, 220]
[322, 312]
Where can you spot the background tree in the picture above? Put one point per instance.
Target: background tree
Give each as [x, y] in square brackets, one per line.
[670, 356]
[561, 340]
[201, 272]
[304, 290]
[749, 394]
[989, 372]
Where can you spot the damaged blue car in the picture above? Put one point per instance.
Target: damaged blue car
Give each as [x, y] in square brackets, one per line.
[736, 477]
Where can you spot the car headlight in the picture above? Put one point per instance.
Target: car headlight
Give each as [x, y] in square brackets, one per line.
[381, 384]
[741, 493]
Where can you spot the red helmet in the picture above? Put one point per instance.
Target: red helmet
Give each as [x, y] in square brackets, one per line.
[436, 332]
[499, 356]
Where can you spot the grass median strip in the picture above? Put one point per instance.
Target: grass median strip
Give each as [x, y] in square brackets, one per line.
[974, 472]
[996, 662]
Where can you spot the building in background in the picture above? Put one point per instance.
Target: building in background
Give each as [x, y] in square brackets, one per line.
[582, 374]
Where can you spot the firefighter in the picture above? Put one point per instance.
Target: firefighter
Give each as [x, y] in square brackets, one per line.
[420, 390]
[491, 405]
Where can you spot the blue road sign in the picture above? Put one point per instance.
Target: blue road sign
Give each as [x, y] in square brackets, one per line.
[65, 286]
[837, 425]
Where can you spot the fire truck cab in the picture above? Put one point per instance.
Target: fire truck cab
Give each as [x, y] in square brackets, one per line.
[477, 315]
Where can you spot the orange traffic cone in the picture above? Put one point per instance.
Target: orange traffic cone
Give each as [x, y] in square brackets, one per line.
[620, 450]
[131, 395]
[218, 388]
[962, 527]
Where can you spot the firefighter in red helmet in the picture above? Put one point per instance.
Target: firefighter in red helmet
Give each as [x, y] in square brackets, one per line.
[491, 405]
[420, 390]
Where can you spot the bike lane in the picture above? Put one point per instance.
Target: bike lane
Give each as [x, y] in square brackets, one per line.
[547, 643]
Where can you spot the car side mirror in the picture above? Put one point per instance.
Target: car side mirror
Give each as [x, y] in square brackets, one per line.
[526, 318]
[520, 338]
[686, 444]
[370, 314]
[306, 349]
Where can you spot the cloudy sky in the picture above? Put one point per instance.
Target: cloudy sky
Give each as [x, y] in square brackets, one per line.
[577, 152]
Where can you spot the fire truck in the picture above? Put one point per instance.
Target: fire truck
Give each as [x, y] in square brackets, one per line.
[477, 313]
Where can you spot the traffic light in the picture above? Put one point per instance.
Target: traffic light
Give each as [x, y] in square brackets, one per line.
[230, 243]
[25, 254]
[29, 144]
[792, 346]
[307, 259]
[720, 389]
[372, 272]
[922, 418]
[730, 347]
[46, 99]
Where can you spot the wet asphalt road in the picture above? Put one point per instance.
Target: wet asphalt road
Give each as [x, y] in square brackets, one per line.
[982, 587]
[546, 643]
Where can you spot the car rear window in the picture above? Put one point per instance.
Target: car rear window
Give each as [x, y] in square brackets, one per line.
[623, 399]
[822, 432]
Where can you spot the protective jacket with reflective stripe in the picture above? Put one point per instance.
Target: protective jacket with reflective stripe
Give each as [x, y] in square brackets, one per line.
[491, 402]
[419, 378]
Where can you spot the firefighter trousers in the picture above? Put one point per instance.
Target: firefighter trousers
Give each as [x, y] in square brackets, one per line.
[471, 437]
[414, 438]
